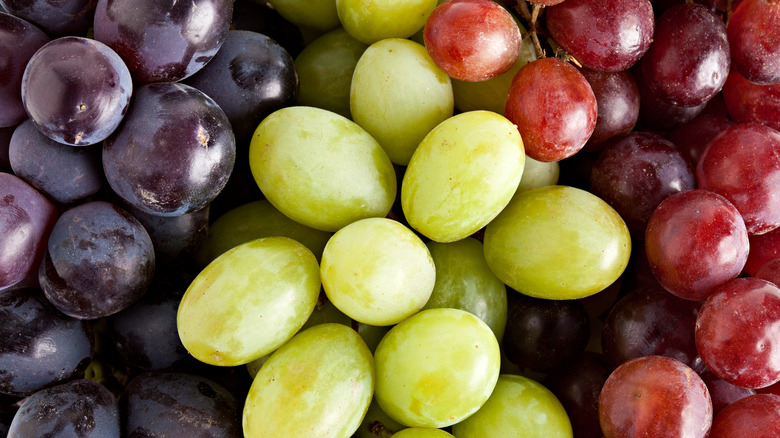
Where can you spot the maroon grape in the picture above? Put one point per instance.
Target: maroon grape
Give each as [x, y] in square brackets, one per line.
[722, 392]
[737, 333]
[755, 41]
[743, 164]
[770, 271]
[617, 99]
[693, 137]
[757, 416]
[554, 109]
[763, 248]
[749, 102]
[657, 115]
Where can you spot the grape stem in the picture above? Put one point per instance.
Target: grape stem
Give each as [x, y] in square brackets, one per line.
[562, 54]
[532, 17]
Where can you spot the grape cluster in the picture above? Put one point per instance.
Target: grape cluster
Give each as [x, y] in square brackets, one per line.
[389, 218]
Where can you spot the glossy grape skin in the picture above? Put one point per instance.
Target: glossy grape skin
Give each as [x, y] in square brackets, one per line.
[176, 239]
[657, 115]
[518, 406]
[743, 164]
[436, 368]
[770, 271]
[617, 99]
[100, 260]
[688, 62]
[321, 169]
[757, 416]
[554, 109]
[177, 404]
[81, 408]
[755, 45]
[654, 396]
[250, 77]
[19, 40]
[319, 384]
[174, 152]
[638, 171]
[693, 137]
[66, 174]
[163, 41]
[749, 102]
[372, 20]
[41, 346]
[604, 36]
[695, 242]
[722, 392]
[736, 333]
[61, 18]
[763, 248]
[557, 242]
[462, 175]
[25, 223]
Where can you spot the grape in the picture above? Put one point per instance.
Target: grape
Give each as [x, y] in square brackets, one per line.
[722, 392]
[413, 96]
[605, 36]
[248, 301]
[757, 416]
[60, 18]
[770, 271]
[557, 242]
[749, 102]
[755, 45]
[421, 432]
[472, 40]
[369, 21]
[654, 396]
[554, 109]
[462, 175]
[315, 14]
[657, 115]
[617, 98]
[763, 248]
[261, 17]
[693, 137]
[176, 239]
[736, 333]
[318, 384]
[377, 271]
[376, 423]
[436, 368]
[538, 174]
[321, 169]
[518, 406]
[695, 242]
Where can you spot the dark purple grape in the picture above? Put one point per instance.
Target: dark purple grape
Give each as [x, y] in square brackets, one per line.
[657, 115]
[250, 77]
[262, 18]
[617, 97]
[755, 40]
[100, 260]
[58, 18]
[173, 154]
[19, 40]
[81, 408]
[66, 174]
[163, 40]
[40, 346]
[176, 239]
[693, 137]
[26, 219]
[688, 62]
[177, 404]
[76, 90]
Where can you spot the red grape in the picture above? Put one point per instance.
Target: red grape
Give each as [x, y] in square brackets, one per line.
[770, 271]
[657, 115]
[722, 392]
[763, 248]
[757, 416]
[749, 102]
[693, 137]
[755, 40]
[617, 99]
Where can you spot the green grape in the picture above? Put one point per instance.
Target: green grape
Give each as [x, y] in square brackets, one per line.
[538, 174]
[518, 407]
[462, 175]
[436, 368]
[377, 271]
[317, 14]
[325, 70]
[464, 281]
[372, 334]
[319, 384]
[421, 432]
[557, 242]
[373, 20]
[252, 221]
[321, 169]
[398, 95]
[248, 301]
[377, 424]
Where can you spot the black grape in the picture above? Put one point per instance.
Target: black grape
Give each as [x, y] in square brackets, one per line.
[176, 239]
[57, 18]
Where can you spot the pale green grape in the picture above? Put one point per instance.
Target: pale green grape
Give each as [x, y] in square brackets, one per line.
[462, 175]
[538, 174]
[252, 221]
[436, 368]
[321, 169]
[248, 301]
[464, 281]
[557, 242]
[421, 432]
[377, 271]
[518, 407]
[398, 95]
[319, 384]
[317, 14]
[325, 70]
[373, 20]
[377, 424]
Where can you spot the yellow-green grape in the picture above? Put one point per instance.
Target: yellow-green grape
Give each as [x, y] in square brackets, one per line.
[398, 95]
[321, 169]
[464, 281]
[421, 432]
[377, 423]
[373, 20]
[377, 271]
[252, 221]
[518, 407]
[325, 70]
[319, 384]
[462, 175]
[538, 174]
[558, 243]
[248, 301]
[317, 14]
[436, 368]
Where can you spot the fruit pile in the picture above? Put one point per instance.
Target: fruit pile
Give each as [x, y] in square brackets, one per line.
[385, 218]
